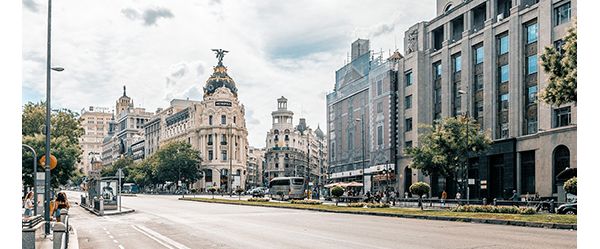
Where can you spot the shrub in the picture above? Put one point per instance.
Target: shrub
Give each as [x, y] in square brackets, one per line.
[357, 204]
[571, 186]
[259, 199]
[420, 188]
[378, 205]
[309, 202]
[493, 209]
[337, 191]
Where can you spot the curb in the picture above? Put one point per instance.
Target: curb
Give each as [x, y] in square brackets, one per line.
[425, 217]
[91, 210]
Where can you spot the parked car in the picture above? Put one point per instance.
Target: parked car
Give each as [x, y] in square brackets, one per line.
[258, 192]
[567, 208]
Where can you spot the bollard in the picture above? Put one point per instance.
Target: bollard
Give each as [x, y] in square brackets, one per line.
[494, 201]
[59, 230]
[63, 215]
[101, 211]
[484, 201]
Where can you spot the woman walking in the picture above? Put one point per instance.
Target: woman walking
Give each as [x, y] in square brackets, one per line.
[28, 204]
[60, 203]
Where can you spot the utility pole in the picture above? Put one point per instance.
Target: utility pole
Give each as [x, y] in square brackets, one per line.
[48, 106]
[229, 182]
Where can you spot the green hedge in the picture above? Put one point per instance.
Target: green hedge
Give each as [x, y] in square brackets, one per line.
[309, 202]
[493, 209]
[259, 199]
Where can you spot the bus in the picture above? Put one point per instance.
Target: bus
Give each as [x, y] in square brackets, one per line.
[287, 187]
[130, 188]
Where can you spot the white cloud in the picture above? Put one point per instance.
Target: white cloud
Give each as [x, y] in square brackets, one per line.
[289, 48]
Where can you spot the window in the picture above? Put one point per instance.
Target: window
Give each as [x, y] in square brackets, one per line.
[531, 95]
[438, 38]
[210, 120]
[408, 102]
[532, 33]
[210, 139]
[234, 119]
[223, 119]
[528, 171]
[503, 45]
[437, 70]
[210, 155]
[562, 14]
[479, 55]
[379, 87]
[408, 144]
[408, 78]
[223, 155]
[504, 101]
[532, 64]
[379, 135]
[457, 62]
[408, 124]
[379, 107]
[503, 73]
[562, 117]
[223, 139]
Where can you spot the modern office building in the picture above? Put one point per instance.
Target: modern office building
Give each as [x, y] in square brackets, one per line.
[362, 118]
[481, 58]
[94, 121]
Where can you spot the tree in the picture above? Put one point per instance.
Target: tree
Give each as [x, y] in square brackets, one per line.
[178, 161]
[143, 173]
[125, 163]
[443, 148]
[337, 191]
[561, 67]
[420, 188]
[65, 131]
[571, 186]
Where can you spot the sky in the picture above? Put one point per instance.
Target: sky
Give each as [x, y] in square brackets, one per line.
[161, 50]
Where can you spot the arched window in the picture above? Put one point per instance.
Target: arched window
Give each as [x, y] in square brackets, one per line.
[448, 7]
[561, 158]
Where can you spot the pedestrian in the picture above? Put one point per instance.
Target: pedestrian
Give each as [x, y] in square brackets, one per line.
[28, 204]
[458, 198]
[515, 196]
[444, 197]
[61, 202]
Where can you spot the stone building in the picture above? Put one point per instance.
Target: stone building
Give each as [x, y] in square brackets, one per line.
[94, 121]
[215, 126]
[362, 119]
[256, 165]
[290, 149]
[481, 58]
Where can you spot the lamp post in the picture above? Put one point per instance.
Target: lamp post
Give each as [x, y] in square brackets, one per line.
[363, 152]
[229, 183]
[465, 170]
[34, 173]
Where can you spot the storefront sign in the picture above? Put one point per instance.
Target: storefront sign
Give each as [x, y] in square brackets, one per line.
[222, 103]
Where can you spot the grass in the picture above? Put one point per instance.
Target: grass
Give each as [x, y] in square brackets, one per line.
[543, 218]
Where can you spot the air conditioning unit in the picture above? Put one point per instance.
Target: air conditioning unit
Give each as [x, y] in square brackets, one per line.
[500, 17]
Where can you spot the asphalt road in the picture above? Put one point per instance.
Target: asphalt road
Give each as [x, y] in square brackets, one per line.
[165, 222]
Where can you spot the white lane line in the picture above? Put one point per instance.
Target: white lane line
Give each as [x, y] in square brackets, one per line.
[111, 237]
[121, 247]
[162, 237]
[104, 228]
[116, 242]
[152, 237]
[107, 232]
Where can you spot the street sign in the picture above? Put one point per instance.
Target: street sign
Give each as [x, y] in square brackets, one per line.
[53, 161]
[483, 186]
[471, 181]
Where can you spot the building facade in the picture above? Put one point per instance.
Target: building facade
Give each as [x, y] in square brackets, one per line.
[256, 165]
[95, 122]
[362, 118]
[481, 58]
[215, 126]
[294, 150]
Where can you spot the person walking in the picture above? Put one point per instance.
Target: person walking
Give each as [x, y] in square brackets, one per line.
[444, 197]
[28, 204]
[61, 202]
[458, 195]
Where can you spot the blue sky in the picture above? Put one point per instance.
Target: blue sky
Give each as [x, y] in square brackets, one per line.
[162, 50]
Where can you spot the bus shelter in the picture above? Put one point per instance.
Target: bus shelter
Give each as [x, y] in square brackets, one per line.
[107, 187]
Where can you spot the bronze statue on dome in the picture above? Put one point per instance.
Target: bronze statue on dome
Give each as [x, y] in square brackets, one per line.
[220, 54]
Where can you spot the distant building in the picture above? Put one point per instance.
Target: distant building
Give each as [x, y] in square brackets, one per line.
[287, 150]
[94, 121]
[256, 164]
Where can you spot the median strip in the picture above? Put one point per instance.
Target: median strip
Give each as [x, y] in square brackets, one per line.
[555, 221]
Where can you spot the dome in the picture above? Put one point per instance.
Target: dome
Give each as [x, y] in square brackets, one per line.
[319, 132]
[219, 78]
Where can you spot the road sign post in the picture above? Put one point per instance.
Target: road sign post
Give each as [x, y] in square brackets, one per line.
[119, 174]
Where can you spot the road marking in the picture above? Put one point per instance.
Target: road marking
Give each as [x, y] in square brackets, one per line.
[110, 236]
[150, 236]
[121, 247]
[104, 228]
[107, 232]
[162, 237]
[116, 242]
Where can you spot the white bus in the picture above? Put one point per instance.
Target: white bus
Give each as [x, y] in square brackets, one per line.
[287, 187]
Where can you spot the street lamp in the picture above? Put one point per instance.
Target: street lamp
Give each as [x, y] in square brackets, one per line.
[465, 170]
[363, 151]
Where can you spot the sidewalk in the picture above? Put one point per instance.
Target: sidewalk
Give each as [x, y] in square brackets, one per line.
[124, 210]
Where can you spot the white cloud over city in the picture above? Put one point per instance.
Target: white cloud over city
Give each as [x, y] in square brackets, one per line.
[162, 50]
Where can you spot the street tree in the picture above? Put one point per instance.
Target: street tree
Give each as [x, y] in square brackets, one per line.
[571, 186]
[420, 189]
[178, 161]
[442, 149]
[561, 67]
[65, 131]
[125, 163]
[143, 173]
[337, 191]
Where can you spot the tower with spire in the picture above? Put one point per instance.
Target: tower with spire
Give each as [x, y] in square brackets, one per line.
[123, 103]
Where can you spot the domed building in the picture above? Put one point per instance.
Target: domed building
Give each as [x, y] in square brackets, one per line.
[214, 126]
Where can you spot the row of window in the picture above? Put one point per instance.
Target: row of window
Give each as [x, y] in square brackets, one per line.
[223, 119]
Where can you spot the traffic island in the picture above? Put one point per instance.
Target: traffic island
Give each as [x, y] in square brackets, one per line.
[555, 221]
